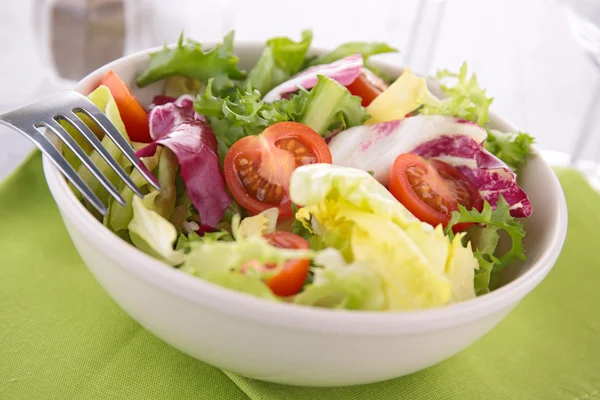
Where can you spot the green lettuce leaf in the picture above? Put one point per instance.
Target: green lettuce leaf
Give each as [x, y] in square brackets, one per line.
[347, 209]
[184, 240]
[103, 99]
[281, 58]
[330, 106]
[164, 200]
[366, 49]
[153, 234]
[165, 166]
[512, 148]
[337, 284]
[485, 240]
[180, 214]
[177, 86]
[189, 60]
[118, 216]
[465, 99]
[220, 262]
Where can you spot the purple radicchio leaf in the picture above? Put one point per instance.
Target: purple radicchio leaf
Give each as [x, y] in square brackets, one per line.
[344, 71]
[187, 134]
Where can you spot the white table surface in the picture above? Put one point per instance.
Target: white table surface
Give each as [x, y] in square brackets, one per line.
[522, 51]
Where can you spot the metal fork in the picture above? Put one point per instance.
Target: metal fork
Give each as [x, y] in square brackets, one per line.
[62, 106]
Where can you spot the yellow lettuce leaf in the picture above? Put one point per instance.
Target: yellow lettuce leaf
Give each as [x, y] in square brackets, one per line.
[347, 209]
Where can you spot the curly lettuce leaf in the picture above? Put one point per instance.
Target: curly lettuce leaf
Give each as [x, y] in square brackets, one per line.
[465, 99]
[366, 49]
[189, 60]
[153, 234]
[245, 114]
[512, 148]
[338, 284]
[281, 58]
[485, 239]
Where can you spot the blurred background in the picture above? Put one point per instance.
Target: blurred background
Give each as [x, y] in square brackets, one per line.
[538, 58]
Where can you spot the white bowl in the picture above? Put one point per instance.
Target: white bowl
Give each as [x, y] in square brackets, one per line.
[293, 344]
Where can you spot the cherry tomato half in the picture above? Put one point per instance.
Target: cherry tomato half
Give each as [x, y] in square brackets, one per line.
[132, 113]
[290, 279]
[292, 276]
[367, 86]
[258, 168]
[432, 189]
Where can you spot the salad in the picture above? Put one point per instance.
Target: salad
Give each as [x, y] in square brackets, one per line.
[316, 180]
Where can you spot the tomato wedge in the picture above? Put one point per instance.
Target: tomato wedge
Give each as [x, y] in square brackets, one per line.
[132, 113]
[257, 169]
[367, 86]
[432, 189]
[292, 276]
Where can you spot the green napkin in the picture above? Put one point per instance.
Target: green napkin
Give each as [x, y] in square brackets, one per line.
[62, 337]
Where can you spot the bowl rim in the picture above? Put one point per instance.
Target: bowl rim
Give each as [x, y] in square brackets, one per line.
[206, 294]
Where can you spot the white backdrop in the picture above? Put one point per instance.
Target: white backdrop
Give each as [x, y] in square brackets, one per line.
[522, 51]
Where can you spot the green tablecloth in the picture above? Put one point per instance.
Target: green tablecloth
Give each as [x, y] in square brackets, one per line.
[62, 337]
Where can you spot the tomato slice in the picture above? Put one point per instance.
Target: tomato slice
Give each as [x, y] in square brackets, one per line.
[132, 113]
[367, 86]
[292, 276]
[432, 189]
[462, 189]
[257, 169]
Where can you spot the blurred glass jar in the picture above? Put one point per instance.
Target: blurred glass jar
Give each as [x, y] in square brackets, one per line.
[77, 36]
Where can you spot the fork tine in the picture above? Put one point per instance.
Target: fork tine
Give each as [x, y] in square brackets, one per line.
[113, 133]
[64, 136]
[61, 163]
[84, 130]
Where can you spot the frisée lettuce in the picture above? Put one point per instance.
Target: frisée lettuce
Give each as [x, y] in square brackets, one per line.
[485, 239]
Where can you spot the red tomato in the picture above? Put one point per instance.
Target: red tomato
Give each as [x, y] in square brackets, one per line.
[132, 113]
[462, 189]
[431, 189]
[367, 86]
[258, 168]
[292, 276]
